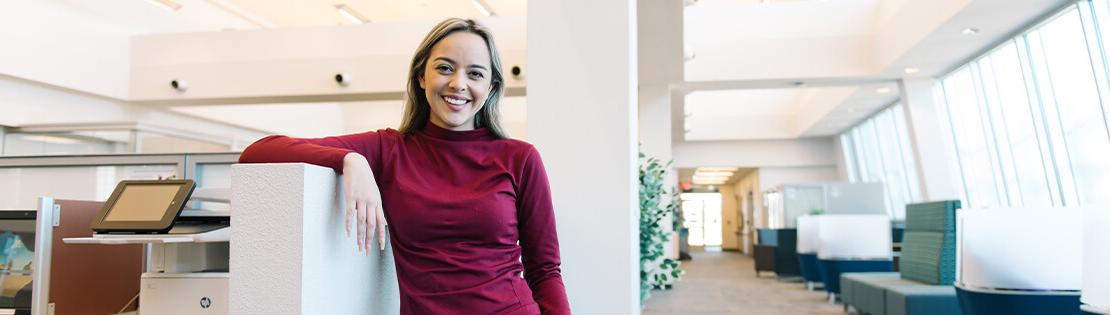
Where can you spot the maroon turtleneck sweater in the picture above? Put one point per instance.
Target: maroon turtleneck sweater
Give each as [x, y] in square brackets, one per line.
[457, 203]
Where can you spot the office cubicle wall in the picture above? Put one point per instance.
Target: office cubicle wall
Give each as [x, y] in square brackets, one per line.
[93, 177]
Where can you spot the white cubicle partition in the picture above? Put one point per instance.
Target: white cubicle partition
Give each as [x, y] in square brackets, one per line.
[1020, 248]
[807, 234]
[289, 252]
[1096, 275]
[854, 236]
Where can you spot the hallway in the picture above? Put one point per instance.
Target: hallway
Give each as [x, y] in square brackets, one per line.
[725, 283]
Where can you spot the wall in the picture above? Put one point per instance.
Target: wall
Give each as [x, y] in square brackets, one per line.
[754, 215]
[756, 153]
[770, 177]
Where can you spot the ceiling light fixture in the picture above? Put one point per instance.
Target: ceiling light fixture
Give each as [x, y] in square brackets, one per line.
[882, 90]
[912, 70]
[351, 15]
[168, 5]
[483, 7]
[713, 174]
[716, 169]
[970, 31]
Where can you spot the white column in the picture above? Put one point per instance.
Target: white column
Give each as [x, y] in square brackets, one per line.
[581, 117]
[659, 52]
[289, 251]
[932, 150]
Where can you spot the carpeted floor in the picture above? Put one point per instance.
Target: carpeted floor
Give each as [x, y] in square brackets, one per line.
[725, 283]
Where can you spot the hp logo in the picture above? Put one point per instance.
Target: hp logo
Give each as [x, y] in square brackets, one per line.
[205, 302]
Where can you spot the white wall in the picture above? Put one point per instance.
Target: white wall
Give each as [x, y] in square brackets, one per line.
[756, 153]
[770, 177]
[584, 61]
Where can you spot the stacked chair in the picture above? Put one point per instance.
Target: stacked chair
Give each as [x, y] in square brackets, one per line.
[852, 243]
[1096, 272]
[1020, 261]
[923, 284]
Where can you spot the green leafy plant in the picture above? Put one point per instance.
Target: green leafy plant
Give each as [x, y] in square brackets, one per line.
[656, 271]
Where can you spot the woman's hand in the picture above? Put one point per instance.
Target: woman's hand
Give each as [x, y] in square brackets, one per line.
[363, 200]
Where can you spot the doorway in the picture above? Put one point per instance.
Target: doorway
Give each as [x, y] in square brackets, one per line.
[701, 213]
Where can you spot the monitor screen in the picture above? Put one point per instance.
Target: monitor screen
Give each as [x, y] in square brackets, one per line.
[17, 252]
[142, 203]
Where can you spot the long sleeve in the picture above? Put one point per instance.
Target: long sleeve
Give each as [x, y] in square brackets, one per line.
[327, 152]
[538, 239]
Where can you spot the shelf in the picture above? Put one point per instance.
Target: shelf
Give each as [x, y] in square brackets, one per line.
[219, 235]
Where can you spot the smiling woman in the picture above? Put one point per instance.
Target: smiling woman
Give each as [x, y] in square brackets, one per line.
[470, 210]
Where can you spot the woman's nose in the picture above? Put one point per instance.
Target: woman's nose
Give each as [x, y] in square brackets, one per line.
[458, 82]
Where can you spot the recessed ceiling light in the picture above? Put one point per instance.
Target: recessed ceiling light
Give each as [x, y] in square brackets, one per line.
[912, 70]
[970, 31]
[351, 15]
[884, 90]
[168, 5]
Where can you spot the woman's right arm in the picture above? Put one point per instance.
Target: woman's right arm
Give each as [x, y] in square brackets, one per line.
[346, 155]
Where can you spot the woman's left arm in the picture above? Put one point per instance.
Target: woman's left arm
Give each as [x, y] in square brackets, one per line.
[538, 239]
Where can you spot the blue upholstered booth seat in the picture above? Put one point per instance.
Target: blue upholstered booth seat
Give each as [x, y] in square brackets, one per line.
[811, 268]
[832, 269]
[980, 302]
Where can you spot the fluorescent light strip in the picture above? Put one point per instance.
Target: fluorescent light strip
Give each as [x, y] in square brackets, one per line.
[351, 15]
[168, 5]
[483, 7]
[716, 169]
[713, 173]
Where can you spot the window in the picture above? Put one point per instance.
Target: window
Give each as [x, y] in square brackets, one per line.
[1028, 119]
[879, 150]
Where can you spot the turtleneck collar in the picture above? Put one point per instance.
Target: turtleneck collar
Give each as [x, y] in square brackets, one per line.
[437, 132]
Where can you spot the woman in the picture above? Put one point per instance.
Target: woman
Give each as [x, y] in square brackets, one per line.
[469, 208]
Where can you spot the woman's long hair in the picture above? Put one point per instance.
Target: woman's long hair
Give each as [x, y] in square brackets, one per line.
[417, 109]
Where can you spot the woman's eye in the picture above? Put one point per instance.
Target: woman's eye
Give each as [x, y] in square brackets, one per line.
[443, 68]
[477, 74]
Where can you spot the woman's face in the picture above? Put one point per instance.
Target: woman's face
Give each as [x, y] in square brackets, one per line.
[456, 80]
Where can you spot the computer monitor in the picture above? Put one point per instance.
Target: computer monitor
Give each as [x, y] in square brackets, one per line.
[17, 260]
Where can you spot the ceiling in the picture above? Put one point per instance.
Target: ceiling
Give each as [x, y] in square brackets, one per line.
[150, 17]
[791, 69]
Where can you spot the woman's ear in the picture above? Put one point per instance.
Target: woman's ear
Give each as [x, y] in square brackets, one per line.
[420, 78]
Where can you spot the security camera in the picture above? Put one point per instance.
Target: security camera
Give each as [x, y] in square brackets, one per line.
[516, 72]
[343, 79]
[179, 85]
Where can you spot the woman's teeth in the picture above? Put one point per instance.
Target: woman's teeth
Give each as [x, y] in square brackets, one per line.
[454, 101]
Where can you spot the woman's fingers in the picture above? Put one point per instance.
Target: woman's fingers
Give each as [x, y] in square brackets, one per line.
[381, 227]
[349, 214]
[360, 217]
[371, 225]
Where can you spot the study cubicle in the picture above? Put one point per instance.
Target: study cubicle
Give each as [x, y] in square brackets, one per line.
[776, 249]
[273, 246]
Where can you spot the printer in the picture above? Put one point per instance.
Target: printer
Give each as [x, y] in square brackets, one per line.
[187, 249]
